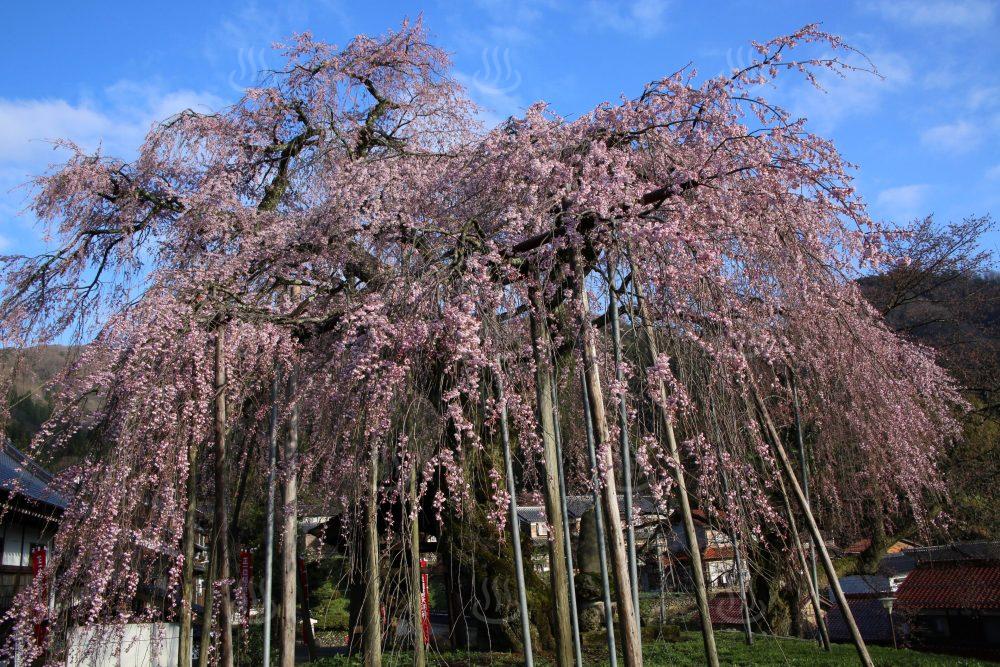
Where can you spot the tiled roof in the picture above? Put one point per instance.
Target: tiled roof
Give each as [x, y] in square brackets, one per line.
[952, 585]
[958, 551]
[864, 584]
[726, 609]
[857, 547]
[896, 564]
[20, 474]
[577, 506]
[871, 617]
[899, 546]
[718, 553]
[531, 514]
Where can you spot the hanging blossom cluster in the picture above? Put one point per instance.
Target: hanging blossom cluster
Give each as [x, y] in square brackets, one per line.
[348, 223]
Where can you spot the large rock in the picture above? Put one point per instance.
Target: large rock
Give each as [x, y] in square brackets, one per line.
[592, 616]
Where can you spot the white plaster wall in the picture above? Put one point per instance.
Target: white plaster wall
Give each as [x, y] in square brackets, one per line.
[140, 645]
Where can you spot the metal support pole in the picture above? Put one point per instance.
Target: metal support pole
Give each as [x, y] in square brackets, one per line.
[515, 529]
[747, 629]
[804, 469]
[663, 584]
[609, 623]
[567, 537]
[272, 464]
[626, 455]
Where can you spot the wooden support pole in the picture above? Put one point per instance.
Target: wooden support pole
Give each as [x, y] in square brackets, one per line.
[831, 571]
[609, 623]
[800, 553]
[691, 535]
[626, 455]
[559, 578]
[631, 642]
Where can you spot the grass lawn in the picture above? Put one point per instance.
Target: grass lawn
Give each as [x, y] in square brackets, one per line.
[773, 651]
[689, 651]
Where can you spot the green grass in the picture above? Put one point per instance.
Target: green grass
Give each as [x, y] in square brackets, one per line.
[689, 652]
[773, 651]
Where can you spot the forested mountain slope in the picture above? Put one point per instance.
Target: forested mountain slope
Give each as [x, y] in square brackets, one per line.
[959, 316]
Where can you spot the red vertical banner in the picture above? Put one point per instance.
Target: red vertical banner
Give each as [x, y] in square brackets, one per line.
[246, 574]
[38, 554]
[425, 603]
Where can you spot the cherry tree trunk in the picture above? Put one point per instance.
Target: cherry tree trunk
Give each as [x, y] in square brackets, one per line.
[831, 571]
[559, 577]
[372, 611]
[190, 533]
[416, 601]
[629, 627]
[221, 523]
[690, 534]
[289, 527]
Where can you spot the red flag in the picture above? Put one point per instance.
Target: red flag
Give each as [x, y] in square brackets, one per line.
[38, 570]
[425, 603]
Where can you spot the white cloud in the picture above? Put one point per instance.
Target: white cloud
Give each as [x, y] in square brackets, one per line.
[129, 110]
[4, 243]
[116, 121]
[981, 97]
[26, 126]
[958, 137]
[902, 202]
[512, 21]
[643, 18]
[993, 173]
[966, 14]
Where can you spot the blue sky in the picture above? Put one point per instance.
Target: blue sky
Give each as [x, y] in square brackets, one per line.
[924, 136]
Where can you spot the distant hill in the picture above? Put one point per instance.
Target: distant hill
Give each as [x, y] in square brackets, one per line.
[36, 365]
[959, 316]
[30, 403]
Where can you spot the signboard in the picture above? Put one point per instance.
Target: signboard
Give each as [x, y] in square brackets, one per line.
[246, 574]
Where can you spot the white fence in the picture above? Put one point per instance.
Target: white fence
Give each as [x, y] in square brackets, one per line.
[135, 645]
